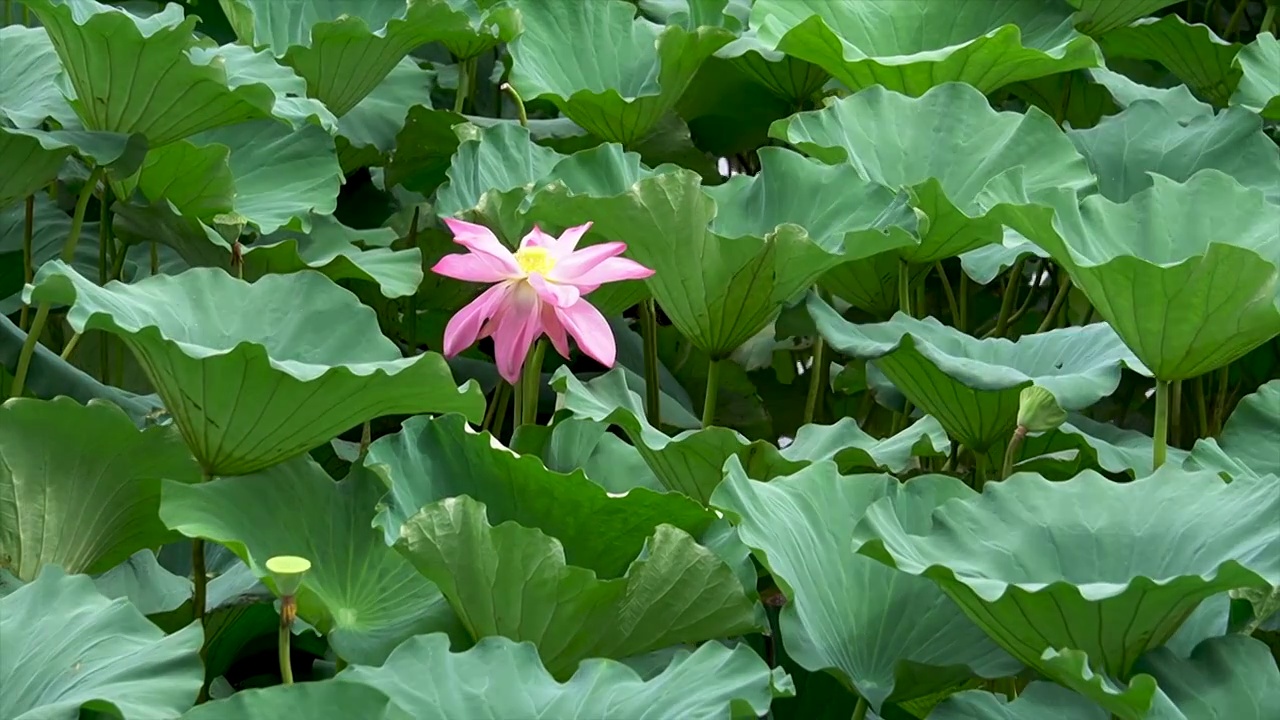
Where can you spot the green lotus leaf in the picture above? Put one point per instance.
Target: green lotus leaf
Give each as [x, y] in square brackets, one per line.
[1038, 701]
[515, 582]
[1135, 700]
[424, 149]
[32, 85]
[588, 445]
[1077, 558]
[1227, 677]
[987, 262]
[972, 386]
[32, 158]
[298, 340]
[367, 133]
[1259, 88]
[612, 73]
[1193, 53]
[689, 463]
[1083, 444]
[65, 649]
[753, 256]
[146, 583]
[1125, 149]
[195, 179]
[99, 46]
[693, 14]
[433, 459]
[889, 635]
[80, 485]
[853, 450]
[343, 48]
[710, 683]
[1096, 17]
[955, 174]
[492, 23]
[1247, 442]
[247, 66]
[1153, 267]
[786, 76]
[329, 698]
[1178, 100]
[359, 592]
[912, 47]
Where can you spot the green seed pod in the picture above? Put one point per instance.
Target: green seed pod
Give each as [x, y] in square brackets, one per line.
[287, 572]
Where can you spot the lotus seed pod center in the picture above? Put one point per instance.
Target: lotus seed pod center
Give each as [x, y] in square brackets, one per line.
[535, 260]
[288, 565]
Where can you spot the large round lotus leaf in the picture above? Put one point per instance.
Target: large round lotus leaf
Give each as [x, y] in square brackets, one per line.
[910, 47]
[514, 581]
[344, 48]
[1248, 440]
[692, 462]
[1040, 700]
[853, 450]
[1099, 16]
[129, 73]
[1224, 678]
[359, 592]
[1085, 444]
[614, 74]
[791, 79]
[1187, 273]
[574, 443]
[80, 485]
[954, 172]
[890, 635]
[255, 373]
[502, 679]
[1080, 564]
[1147, 137]
[432, 459]
[1259, 88]
[367, 133]
[31, 86]
[326, 699]
[1192, 52]
[64, 647]
[740, 281]
[972, 386]
[1178, 100]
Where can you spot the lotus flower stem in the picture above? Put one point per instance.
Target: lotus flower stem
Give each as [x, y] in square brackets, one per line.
[1051, 317]
[1161, 440]
[860, 710]
[1010, 293]
[1012, 450]
[1268, 19]
[904, 287]
[531, 384]
[817, 380]
[42, 312]
[70, 347]
[1202, 414]
[1175, 413]
[199, 579]
[28, 268]
[713, 392]
[1235, 19]
[288, 611]
[946, 289]
[497, 408]
[520, 111]
[652, 386]
[464, 79]
[962, 320]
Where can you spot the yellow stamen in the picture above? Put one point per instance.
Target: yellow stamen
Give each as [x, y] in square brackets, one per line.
[535, 260]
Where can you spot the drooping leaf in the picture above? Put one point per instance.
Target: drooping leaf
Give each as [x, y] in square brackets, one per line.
[359, 592]
[1075, 559]
[1123, 150]
[500, 678]
[1192, 52]
[514, 581]
[955, 172]
[32, 158]
[1247, 442]
[852, 449]
[887, 634]
[1096, 17]
[1039, 700]
[250, 372]
[80, 485]
[1084, 444]
[144, 581]
[612, 73]
[972, 386]
[327, 698]
[101, 48]
[30, 87]
[65, 648]
[367, 133]
[911, 47]
[1178, 100]
[433, 459]
[1155, 267]
[690, 462]
[1226, 677]
[1259, 88]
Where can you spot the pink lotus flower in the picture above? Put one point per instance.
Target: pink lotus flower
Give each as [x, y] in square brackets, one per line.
[540, 289]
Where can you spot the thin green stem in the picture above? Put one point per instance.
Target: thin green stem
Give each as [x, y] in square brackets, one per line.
[105, 272]
[1235, 19]
[1268, 20]
[411, 316]
[28, 349]
[288, 608]
[366, 438]
[904, 287]
[531, 383]
[1051, 317]
[155, 258]
[652, 385]
[860, 710]
[517, 402]
[502, 392]
[1010, 294]
[1220, 400]
[77, 220]
[500, 411]
[464, 79]
[71, 347]
[520, 111]
[946, 289]
[979, 469]
[28, 267]
[817, 381]
[199, 579]
[1175, 413]
[1161, 440]
[1011, 451]
[713, 393]
[962, 322]
[1202, 414]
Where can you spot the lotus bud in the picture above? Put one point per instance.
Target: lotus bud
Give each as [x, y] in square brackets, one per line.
[1039, 411]
[287, 572]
